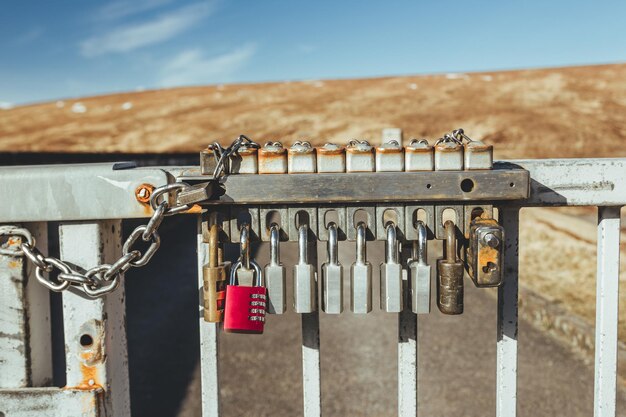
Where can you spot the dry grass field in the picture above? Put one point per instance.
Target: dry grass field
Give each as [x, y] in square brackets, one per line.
[548, 113]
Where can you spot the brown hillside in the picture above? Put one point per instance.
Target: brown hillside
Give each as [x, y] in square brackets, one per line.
[565, 112]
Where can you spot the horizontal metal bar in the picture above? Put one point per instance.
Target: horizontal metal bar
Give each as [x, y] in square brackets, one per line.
[503, 184]
[58, 402]
[74, 192]
[573, 182]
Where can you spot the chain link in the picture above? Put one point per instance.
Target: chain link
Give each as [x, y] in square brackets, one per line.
[102, 279]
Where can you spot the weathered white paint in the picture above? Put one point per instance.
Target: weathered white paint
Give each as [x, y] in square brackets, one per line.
[47, 402]
[209, 353]
[407, 363]
[104, 363]
[311, 375]
[573, 182]
[506, 367]
[607, 300]
[25, 352]
[74, 192]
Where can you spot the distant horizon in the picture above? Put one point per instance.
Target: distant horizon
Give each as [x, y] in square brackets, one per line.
[54, 50]
[476, 72]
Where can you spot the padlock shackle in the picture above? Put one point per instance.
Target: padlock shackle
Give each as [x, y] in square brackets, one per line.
[421, 247]
[333, 249]
[258, 278]
[214, 245]
[274, 245]
[244, 238]
[450, 241]
[391, 246]
[303, 243]
[361, 249]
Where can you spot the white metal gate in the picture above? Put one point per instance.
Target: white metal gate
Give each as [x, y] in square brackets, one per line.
[91, 200]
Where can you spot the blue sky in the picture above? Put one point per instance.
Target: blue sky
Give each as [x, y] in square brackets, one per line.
[63, 48]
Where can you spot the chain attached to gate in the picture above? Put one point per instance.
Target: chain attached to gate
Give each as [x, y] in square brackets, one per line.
[102, 279]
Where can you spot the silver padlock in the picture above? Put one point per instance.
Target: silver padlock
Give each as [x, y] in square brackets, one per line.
[391, 275]
[301, 158]
[360, 156]
[304, 276]
[361, 276]
[420, 272]
[448, 154]
[390, 157]
[245, 160]
[331, 158]
[478, 155]
[332, 276]
[419, 156]
[272, 159]
[275, 276]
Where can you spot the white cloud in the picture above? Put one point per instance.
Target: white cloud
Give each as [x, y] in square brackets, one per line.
[5, 105]
[193, 67]
[123, 8]
[29, 36]
[160, 29]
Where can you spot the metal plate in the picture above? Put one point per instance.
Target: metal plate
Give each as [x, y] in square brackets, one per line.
[374, 187]
[265, 212]
[238, 211]
[459, 223]
[341, 222]
[381, 232]
[410, 232]
[371, 222]
[293, 223]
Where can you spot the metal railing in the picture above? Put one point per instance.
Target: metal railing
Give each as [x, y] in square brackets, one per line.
[81, 198]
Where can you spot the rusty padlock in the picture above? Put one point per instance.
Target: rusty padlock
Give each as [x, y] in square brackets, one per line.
[245, 305]
[450, 275]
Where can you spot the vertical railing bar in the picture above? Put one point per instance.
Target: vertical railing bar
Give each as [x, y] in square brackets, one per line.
[506, 367]
[311, 380]
[607, 303]
[209, 352]
[95, 329]
[25, 337]
[407, 348]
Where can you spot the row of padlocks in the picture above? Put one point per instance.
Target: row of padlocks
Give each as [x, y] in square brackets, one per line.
[450, 153]
[335, 207]
[243, 292]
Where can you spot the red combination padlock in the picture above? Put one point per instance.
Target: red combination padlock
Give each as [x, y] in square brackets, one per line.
[245, 306]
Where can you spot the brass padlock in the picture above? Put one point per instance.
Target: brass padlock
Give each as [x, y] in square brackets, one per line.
[214, 279]
[450, 275]
[484, 254]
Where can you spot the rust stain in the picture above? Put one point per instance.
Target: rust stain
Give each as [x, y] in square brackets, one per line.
[195, 209]
[488, 254]
[143, 193]
[15, 264]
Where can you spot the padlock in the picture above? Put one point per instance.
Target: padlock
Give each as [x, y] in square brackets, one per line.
[391, 297]
[275, 276]
[245, 160]
[272, 159]
[214, 279]
[301, 158]
[419, 271]
[450, 275]
[389, 157]
[484, 255]
[361, 276]
[332, 276]
[448, 154]
[477, 154]
[304, 276]
[419, 156]
[209, 158]
[360, 157]
[246, 274]
[245, 304]
[331, 158]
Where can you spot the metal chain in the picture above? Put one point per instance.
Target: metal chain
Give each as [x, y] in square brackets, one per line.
[102, 279]
[221, 154]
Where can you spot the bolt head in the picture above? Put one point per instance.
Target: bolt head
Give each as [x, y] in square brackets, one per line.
[491, 240]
